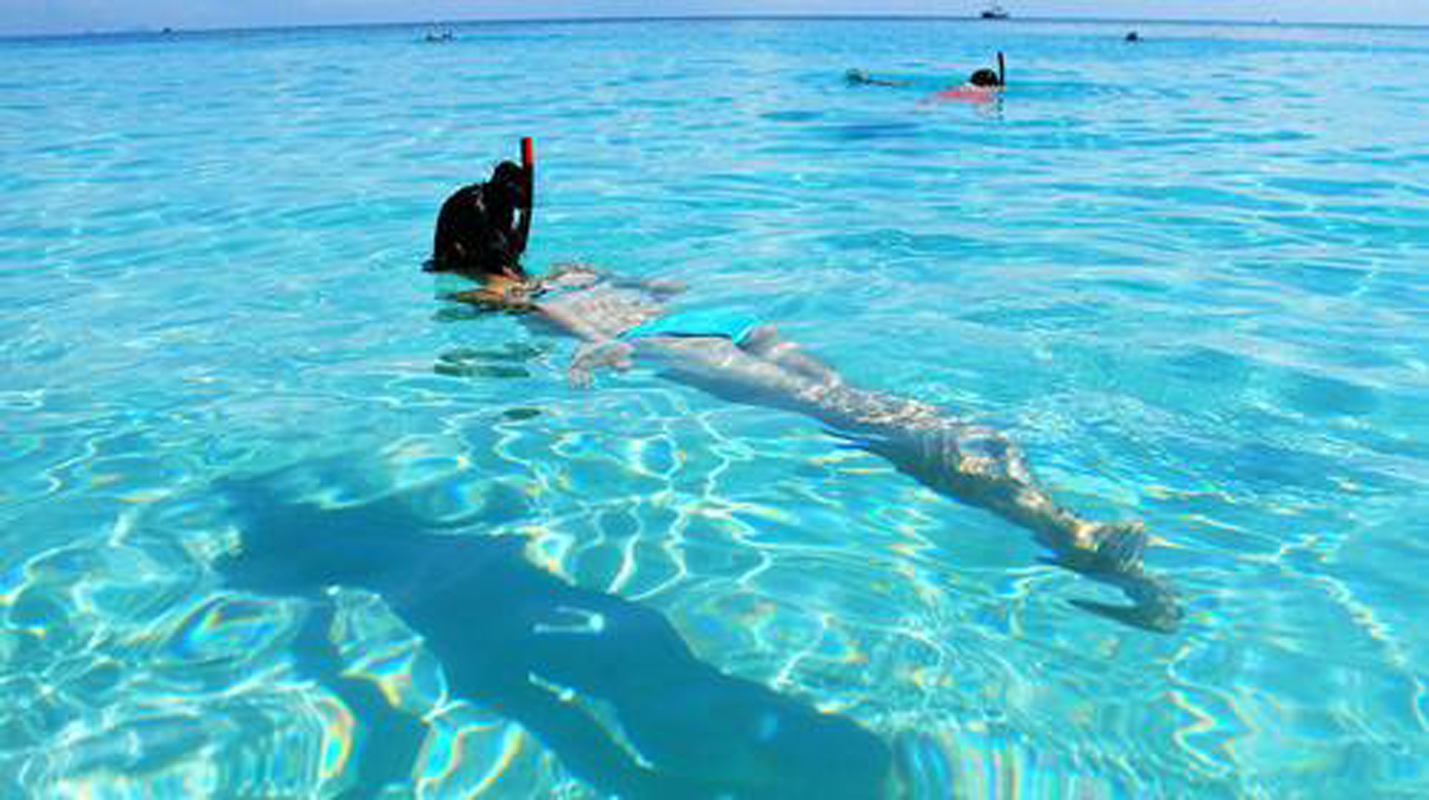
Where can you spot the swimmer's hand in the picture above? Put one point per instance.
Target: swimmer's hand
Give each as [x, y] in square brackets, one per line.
[594, 355]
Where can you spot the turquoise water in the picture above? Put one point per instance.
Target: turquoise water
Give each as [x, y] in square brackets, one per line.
[1187, 275]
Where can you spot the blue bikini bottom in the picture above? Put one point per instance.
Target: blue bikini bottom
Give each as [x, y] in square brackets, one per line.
[732, 325]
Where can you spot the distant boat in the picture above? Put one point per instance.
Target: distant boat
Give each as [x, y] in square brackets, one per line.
[442, 36]
[994, 11]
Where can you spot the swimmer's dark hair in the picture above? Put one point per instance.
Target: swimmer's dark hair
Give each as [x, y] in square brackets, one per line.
[477, 232]
[986, 78]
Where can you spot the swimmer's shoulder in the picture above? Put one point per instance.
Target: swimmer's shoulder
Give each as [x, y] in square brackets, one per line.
[570, 275]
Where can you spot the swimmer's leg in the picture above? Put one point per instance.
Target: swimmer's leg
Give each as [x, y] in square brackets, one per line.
[718, 366]
[766, 343]
[984, 467]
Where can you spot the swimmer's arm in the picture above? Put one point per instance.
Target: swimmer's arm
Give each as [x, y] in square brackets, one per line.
[860, 76]
[597, 349]
[500, 293]
[570, 322]
[480, 297]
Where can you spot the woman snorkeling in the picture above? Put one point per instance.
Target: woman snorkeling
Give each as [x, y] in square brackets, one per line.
[738, 357]
[983, 86]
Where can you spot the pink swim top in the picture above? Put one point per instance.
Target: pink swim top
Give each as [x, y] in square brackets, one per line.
[968, 94]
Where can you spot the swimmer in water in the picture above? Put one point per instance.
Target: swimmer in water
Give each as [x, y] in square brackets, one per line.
[738, 357]
[983, 86]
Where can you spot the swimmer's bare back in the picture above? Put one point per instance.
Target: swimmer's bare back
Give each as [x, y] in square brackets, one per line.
[576, 299]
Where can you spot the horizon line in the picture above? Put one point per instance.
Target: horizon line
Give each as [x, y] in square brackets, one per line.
[586, 19]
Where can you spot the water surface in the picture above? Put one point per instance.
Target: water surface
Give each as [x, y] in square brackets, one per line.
[1186, 274]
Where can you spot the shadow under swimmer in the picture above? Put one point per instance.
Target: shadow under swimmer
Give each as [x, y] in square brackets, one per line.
[505, 632]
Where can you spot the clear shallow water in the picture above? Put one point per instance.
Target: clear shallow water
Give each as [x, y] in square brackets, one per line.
[1186, 274]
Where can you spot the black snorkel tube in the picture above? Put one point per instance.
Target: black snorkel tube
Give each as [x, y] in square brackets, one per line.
[1001, 70]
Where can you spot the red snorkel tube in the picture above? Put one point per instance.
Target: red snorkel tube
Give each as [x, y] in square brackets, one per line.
[528, 160]
[528, 167]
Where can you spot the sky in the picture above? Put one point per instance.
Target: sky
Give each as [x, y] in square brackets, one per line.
[72, 16]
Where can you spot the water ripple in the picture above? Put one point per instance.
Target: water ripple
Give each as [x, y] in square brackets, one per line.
[1195, 298]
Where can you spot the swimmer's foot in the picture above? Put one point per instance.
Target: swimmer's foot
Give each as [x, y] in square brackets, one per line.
[1155, 607]
[1112, 553]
